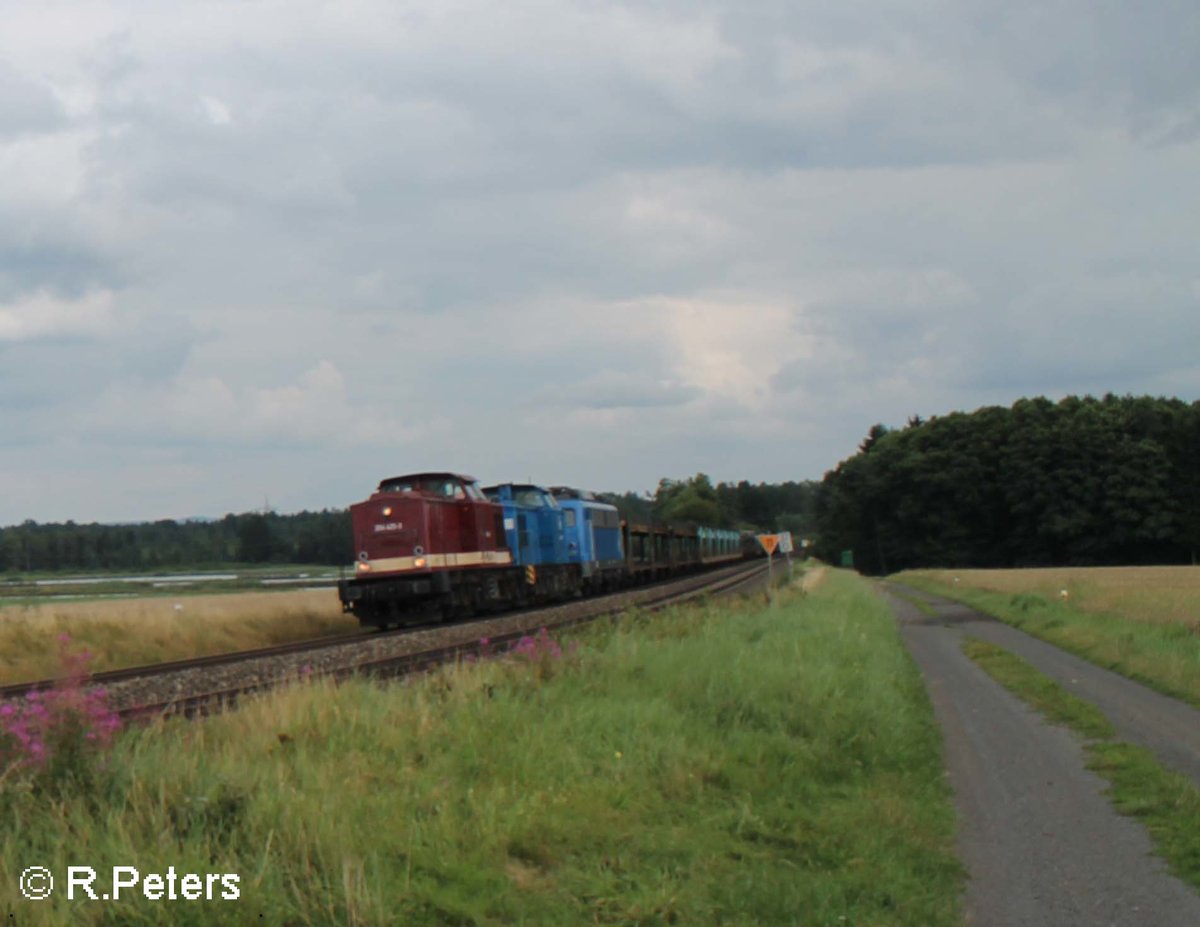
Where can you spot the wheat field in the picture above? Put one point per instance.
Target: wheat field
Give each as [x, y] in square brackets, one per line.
[133, 631]
[1158, 595]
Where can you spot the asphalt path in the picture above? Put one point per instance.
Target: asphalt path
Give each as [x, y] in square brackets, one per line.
[1042, 845]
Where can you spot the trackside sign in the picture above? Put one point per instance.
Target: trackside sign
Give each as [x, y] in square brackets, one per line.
[769, 542]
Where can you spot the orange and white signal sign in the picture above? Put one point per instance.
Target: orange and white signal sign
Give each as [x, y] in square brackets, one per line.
[769, 542]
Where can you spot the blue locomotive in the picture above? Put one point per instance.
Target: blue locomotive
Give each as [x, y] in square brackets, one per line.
[535, 529]
[594, 540]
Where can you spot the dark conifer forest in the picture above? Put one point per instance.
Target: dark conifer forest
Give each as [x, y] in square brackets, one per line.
[1079, 482]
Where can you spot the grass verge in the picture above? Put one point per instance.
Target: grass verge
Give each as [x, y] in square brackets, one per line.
[1167, 803]
[1164, 656]
[733, 763]
[1039, 690]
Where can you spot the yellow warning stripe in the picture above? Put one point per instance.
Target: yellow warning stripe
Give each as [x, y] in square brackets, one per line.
[441, 561]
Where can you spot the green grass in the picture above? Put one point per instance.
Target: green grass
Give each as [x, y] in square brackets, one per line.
[1167, 803]
[724, 764]
[1039, 690]
[1163, 656]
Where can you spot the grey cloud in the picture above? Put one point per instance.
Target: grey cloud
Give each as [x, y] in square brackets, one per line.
[68, 371]
[68, 268]
[1086, 334]
[1135, 65]
[612, 389]
[26, 106]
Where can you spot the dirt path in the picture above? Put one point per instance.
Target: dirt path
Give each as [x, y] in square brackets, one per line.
[1043, 846]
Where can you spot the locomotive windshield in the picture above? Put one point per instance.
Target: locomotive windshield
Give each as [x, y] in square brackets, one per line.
[534, 497]
[441, 486]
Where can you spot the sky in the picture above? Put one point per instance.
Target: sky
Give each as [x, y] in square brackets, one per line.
[256, 252]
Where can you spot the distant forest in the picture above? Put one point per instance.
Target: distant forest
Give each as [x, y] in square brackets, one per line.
[752, 506]
[1079, 482]
[325, 537]
[254, 537]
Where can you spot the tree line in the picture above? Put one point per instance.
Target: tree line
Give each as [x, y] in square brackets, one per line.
[789, 506]
[325, 537]
[1079, 482]
[253, 537]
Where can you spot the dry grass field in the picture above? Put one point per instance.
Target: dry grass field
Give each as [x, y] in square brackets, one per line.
[129, 632]
[1143, 622]
[1158, 595]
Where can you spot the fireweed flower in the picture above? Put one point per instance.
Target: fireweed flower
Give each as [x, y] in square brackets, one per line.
[72, 722]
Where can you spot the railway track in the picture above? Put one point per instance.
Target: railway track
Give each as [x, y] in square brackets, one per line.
[110, 677]
[213, 683]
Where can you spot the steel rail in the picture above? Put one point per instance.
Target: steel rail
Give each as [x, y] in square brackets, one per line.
[125, 673]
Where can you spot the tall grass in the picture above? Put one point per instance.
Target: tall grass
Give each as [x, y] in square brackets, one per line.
[1163, 655]
[731, 764]
[131, 632]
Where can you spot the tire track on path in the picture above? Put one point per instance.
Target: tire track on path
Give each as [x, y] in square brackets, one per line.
[1042, 845]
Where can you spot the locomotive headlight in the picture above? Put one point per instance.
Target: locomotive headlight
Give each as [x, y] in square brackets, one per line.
[387, 511]
[362, 567]
[419, 562]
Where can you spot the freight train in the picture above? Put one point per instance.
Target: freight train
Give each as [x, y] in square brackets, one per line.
[437, 545]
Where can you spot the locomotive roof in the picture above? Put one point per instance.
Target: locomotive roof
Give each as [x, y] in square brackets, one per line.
[570, 492]
[432, 474]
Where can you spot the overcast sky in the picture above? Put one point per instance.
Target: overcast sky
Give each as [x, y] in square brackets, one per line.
[260, 250]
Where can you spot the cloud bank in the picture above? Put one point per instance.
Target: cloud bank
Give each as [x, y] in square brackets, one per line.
[264, 250]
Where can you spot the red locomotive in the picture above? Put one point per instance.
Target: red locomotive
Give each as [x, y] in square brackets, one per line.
[426, 539]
